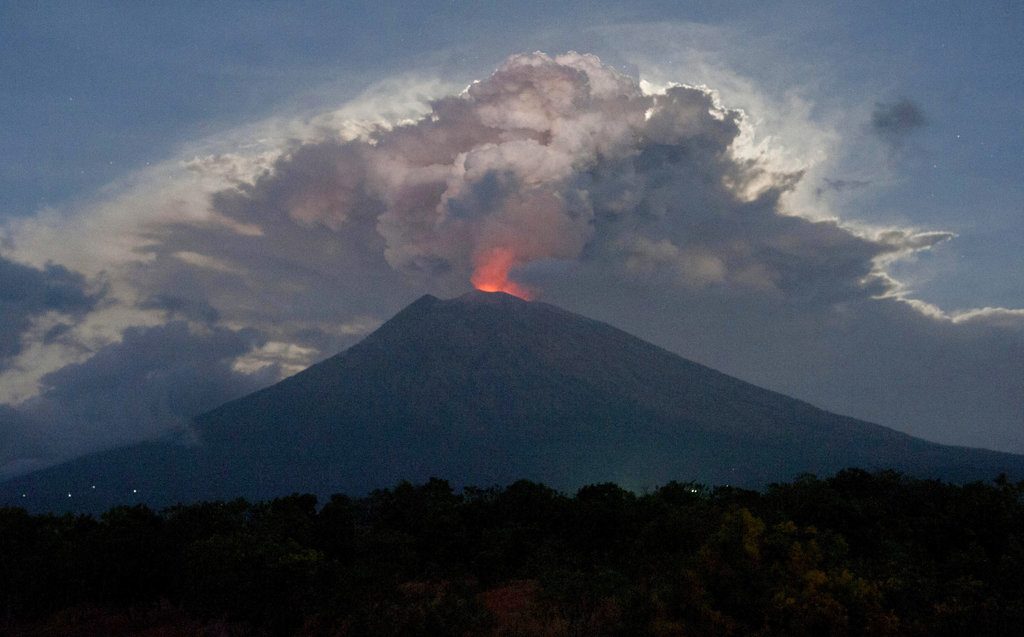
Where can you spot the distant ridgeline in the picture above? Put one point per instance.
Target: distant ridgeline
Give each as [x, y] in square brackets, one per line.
[486, 389]
[857, 554]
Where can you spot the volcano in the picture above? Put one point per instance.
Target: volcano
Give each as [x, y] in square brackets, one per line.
[487, 389]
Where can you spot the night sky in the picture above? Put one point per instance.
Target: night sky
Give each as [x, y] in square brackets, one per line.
[198, 199]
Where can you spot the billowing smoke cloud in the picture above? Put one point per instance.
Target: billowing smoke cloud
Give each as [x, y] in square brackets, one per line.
[564, 159]
[151, 382]
[558, 178]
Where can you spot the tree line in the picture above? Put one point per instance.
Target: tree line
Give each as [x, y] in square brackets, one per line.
[855, 554]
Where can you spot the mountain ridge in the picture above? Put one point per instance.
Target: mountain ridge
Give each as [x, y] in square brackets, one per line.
[486, 389]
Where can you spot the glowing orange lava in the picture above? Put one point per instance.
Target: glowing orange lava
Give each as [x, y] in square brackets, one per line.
[491, 274]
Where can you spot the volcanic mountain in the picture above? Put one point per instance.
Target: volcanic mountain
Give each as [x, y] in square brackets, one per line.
[487, 389]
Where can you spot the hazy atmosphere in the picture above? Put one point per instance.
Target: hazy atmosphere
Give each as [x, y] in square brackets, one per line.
[826, 201]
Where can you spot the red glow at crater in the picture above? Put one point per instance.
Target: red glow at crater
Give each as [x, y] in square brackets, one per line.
[491, 273]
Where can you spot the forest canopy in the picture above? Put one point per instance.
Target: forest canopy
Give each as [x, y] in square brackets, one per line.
[854, 554]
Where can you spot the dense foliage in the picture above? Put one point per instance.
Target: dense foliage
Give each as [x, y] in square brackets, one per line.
[857, 554]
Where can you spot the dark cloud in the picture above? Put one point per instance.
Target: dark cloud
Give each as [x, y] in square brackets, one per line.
[840, 185]
[150, 383]
[877, 359]
[180, 307]
[56, 332]
[894, 121]
[27, 293]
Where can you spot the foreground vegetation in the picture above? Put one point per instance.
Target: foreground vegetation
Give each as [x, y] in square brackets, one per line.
[857, 554]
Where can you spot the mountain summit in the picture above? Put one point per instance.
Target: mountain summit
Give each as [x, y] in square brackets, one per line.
[486, 389]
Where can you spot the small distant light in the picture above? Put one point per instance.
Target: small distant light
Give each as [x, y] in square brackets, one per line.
[94, 486]
[24, 495]
[69, 495]
[135, 490]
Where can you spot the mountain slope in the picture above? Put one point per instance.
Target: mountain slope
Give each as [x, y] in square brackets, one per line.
[485, 389]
